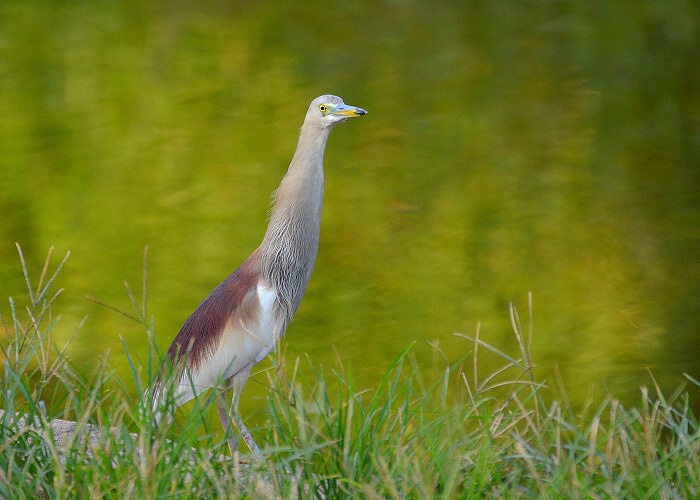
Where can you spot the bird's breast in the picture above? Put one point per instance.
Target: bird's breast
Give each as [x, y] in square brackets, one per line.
[271, 321]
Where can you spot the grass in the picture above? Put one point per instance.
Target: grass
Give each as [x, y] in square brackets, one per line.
[453, 433]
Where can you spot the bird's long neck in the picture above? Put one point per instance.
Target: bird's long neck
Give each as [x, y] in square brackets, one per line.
[290, 245]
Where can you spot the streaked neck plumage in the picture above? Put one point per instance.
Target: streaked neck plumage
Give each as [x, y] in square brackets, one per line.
[290, 245]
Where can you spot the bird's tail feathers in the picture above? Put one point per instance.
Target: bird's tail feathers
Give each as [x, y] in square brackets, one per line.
[160, 400]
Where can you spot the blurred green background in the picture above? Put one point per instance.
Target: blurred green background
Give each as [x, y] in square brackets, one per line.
[510, 147]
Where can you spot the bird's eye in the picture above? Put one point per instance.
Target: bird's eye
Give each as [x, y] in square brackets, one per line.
[323, 108]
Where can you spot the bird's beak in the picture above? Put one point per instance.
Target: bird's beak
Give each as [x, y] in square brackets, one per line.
[348, 111]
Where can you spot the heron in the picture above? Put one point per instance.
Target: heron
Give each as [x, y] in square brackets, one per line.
[240, 322]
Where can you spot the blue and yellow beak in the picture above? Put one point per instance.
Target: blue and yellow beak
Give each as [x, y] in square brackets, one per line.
[347, 111]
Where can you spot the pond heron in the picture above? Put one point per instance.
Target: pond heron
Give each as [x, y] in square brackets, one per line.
[244, 317]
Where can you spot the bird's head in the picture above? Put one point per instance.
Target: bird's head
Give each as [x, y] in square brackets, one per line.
[330, 110]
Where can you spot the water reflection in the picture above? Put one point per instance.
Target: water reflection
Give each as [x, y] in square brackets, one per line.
[508, 149]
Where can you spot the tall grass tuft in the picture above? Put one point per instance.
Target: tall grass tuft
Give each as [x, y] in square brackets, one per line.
[446, 433]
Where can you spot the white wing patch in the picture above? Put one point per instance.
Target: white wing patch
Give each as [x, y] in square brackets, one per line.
[269, 334]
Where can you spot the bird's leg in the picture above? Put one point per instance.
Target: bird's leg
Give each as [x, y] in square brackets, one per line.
[245, 434]
[237, 382]
[222, 409]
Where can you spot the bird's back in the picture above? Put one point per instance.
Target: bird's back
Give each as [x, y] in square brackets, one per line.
[236, 325]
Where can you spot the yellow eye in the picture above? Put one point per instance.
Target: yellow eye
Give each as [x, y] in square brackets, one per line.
[323, 108]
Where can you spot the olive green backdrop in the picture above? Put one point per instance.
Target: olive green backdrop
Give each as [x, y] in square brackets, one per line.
[510, 147]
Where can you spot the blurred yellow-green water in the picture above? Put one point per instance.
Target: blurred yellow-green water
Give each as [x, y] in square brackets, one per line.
[510, 147]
